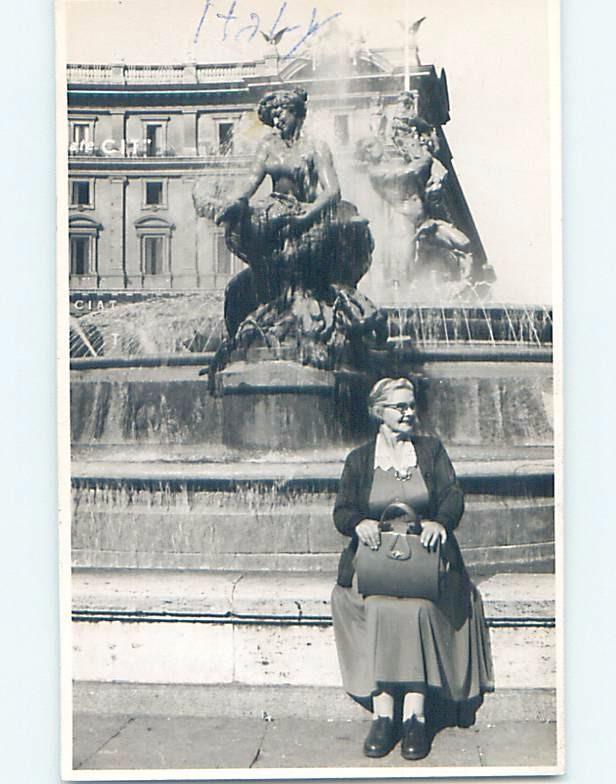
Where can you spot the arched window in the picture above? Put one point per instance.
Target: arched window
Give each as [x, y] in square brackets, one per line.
[83, 247]
[154, 235]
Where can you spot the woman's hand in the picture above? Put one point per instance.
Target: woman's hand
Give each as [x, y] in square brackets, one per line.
[431, 532]
[368, 532]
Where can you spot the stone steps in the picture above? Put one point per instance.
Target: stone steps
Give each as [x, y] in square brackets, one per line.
[304, 527]
[297, 597]
[237, 700]
[537, 557]
[264, 515]
[267, 631]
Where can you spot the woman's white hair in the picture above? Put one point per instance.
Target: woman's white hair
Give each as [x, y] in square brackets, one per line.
[382, 391]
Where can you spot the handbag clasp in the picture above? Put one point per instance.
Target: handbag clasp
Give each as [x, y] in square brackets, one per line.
[399, 549]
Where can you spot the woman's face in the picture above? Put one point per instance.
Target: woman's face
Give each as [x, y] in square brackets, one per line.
[286, 120]
[398, 411]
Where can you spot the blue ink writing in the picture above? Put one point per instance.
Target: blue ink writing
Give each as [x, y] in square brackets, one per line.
[206, 8]
[228, 18]
[249, 31]
[313, 29]
[281, 11]
[256, 24]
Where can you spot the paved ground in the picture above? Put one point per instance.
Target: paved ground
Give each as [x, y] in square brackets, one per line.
[136, 742]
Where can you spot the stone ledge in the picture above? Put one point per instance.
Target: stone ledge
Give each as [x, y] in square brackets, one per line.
[267, 629]
[268, 472]
[254, 523]
[236, 700]
[215, 453]
[289, 597]
[480, 560]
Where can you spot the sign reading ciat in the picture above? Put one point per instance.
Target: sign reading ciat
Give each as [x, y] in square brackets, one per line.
[81, 306]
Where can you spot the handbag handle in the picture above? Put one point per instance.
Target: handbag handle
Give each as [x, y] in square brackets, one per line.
[400, 512]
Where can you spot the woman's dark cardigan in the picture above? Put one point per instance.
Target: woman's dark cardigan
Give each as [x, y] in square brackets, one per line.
[446, 500]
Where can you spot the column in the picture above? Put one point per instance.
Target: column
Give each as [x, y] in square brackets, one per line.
[111, 268]
[189, 119]
[184, 267]
[118, 133]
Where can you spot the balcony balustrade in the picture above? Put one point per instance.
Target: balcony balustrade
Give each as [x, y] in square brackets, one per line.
[164, 74]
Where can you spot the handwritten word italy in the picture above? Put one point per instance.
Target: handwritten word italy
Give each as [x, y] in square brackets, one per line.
[233, 26]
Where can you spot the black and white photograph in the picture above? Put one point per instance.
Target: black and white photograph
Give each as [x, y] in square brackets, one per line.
[310, 381]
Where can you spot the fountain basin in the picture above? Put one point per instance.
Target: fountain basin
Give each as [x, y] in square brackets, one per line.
[285, 405]
[159, 481]
[479, 402]
[263, 516]
[143, 405]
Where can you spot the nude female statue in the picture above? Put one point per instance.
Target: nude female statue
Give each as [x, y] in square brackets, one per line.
[305, 248]
[300, 236]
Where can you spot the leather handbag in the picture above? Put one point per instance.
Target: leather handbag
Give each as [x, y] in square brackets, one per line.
[401, 566]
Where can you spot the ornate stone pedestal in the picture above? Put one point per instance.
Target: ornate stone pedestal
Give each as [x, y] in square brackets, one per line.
[280, 404]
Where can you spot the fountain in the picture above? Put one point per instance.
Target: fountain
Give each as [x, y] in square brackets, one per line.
[203, 548]
[432, 256]
[168, 463]
[209, 432]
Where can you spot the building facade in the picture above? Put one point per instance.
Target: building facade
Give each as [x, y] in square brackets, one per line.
[140, 136]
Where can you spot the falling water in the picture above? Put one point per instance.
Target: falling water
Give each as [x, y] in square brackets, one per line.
[485, 324]
[159, 325]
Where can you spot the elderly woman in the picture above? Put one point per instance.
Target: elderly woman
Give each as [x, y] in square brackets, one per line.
[406, 653]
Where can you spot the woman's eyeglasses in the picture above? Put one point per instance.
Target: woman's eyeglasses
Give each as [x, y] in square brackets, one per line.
[401, 408]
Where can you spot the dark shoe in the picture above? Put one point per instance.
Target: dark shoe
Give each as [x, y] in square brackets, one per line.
[414, 744]
[381, 738]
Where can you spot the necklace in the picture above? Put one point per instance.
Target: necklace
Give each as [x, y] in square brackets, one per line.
[401, 474]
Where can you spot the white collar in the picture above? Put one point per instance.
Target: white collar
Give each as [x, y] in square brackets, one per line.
[401, 457]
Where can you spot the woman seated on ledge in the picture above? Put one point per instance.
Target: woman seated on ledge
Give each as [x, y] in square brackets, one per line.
[407, 659]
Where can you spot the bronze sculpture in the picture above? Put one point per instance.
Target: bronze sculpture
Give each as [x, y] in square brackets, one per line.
[305, 248]
[410, 176]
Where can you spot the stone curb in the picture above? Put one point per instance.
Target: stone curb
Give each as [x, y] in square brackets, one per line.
[238, 700]
[287, 597]
[266, 472]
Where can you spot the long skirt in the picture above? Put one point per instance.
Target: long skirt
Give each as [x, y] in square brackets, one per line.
[385, 643]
